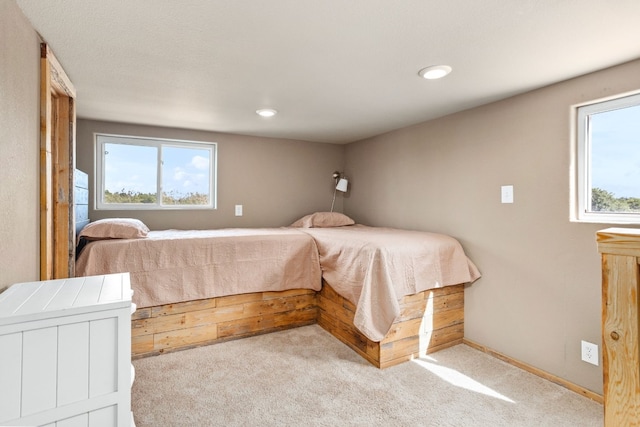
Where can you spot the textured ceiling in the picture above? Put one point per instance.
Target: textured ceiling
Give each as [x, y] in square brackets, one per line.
[336, 70]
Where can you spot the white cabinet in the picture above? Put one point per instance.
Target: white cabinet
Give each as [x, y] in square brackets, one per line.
[65, 352]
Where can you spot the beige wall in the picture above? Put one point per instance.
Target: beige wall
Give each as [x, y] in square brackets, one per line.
[540, 291]
[276, 180]
[19, 147]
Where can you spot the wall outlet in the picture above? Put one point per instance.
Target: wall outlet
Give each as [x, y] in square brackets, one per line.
[238, 210]
[590, 353]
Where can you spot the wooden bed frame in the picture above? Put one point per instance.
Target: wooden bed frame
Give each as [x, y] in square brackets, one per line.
[429, 321]
[164, 328]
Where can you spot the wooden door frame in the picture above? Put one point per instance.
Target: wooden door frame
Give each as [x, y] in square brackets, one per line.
[57, 163]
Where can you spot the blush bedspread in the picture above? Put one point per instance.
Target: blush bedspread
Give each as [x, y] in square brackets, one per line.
[173, 266]
[374, 267]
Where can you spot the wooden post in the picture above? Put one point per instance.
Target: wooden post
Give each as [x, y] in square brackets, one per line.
[620, 249]
[57, 164]
[46, 212]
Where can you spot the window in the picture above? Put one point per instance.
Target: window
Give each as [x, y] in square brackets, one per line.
[608, 163]
[151, 173]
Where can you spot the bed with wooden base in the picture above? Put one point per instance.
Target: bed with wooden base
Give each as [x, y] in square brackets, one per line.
[429, 321]
[377, 290]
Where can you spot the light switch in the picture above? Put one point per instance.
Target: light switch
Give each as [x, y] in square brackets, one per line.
[507, 193]
[238, 210]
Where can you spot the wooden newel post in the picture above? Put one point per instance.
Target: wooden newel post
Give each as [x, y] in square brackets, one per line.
[620, 250]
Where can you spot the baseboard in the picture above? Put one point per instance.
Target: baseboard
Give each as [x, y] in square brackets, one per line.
[535, 371]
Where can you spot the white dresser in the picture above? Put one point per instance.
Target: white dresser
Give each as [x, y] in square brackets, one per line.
[65, 352]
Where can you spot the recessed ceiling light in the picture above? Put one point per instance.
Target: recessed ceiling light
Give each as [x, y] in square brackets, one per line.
[435, 72]
[266, 112]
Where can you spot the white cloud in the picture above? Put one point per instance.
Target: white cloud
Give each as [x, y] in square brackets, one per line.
[200, 162]
[188, 177]
[179, 174]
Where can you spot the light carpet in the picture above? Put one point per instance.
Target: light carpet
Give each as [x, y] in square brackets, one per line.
[306, 377]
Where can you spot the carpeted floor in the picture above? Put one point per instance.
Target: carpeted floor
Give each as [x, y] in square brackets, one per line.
[305, 377]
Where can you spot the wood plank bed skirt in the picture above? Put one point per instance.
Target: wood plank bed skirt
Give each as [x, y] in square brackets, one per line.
[429, 321]
[164, 328]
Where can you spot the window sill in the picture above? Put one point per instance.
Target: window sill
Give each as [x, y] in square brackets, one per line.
[614, 219]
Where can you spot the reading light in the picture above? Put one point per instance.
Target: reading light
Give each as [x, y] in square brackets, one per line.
[342, 184]
[435, 72]
[266, 112]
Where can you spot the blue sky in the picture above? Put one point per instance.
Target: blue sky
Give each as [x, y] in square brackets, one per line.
[615, 151]
[133, 168]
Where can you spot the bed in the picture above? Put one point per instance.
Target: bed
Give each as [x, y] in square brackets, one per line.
[389, 294]
[205, 263]
[195, 287]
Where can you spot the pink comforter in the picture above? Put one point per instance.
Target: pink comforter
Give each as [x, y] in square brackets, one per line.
[374, 267]
[177, 265]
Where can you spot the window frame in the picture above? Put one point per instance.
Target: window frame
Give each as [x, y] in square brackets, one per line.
[582, 202]
[99, 160]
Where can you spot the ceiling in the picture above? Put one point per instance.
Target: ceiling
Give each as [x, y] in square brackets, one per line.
[336, 70]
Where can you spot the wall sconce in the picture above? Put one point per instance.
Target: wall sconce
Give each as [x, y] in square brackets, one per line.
[342, 183]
